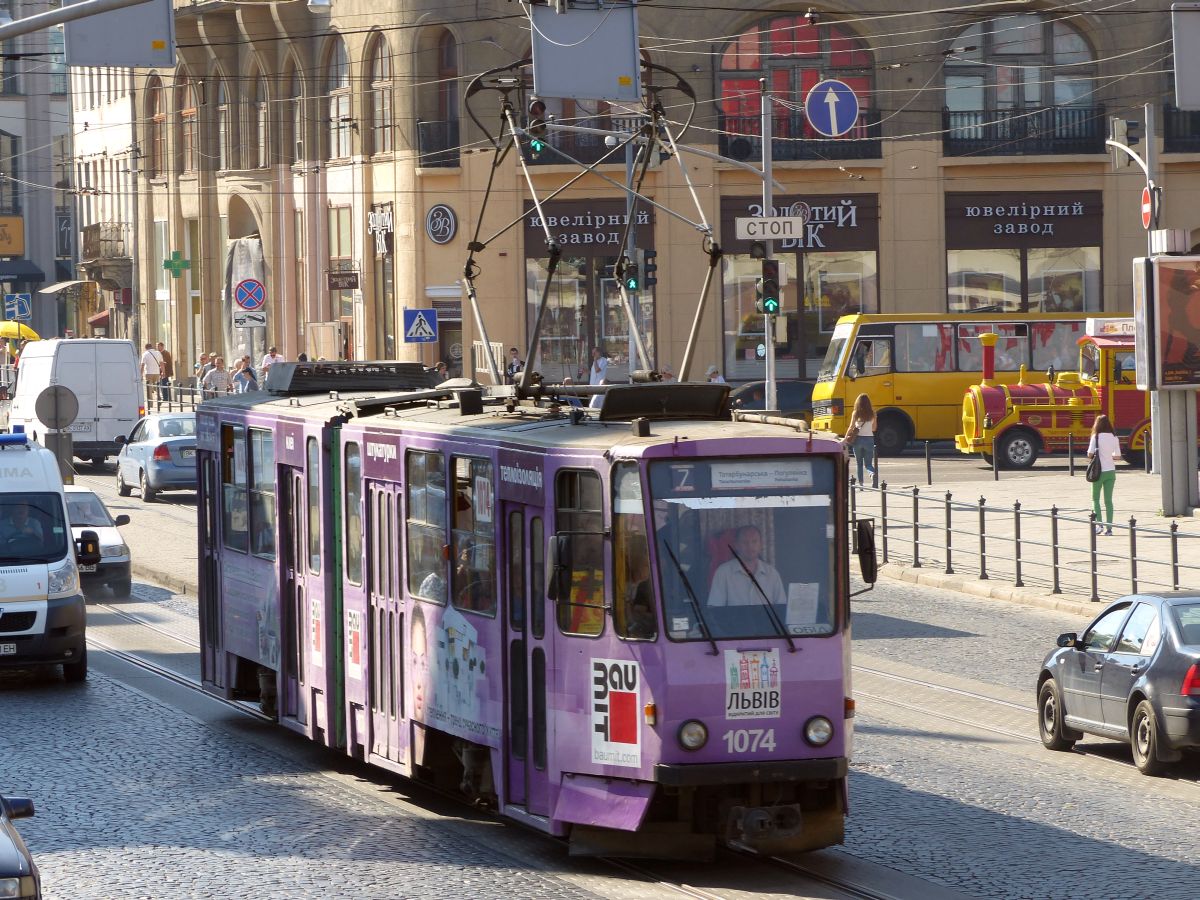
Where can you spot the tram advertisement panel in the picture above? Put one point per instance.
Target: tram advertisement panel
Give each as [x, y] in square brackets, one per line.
[450, 675]
[521, 477]
[616, 713]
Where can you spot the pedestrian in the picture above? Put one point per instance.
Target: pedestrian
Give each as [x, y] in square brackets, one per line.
[151, 367]
[713, 375]
[303, 357]
[244, 379]
[268, 360]
[515, 366]
[1105, 445]
[666, 373]
[168, 372]
[598, 371]
[860, 437]
[216, 381]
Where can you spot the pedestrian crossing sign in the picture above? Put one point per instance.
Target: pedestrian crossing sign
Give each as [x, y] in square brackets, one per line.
[420, 326]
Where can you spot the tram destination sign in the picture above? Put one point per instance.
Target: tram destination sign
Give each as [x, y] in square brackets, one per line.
[769, 228]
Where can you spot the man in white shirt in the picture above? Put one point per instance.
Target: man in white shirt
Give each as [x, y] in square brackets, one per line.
[269, 360]
[152, 365]
[731, 586]
[599, 368]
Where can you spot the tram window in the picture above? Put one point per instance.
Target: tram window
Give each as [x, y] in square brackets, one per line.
[426, 525]
[578, 502]
[633, 609]
[539, 708]
[516, 570]
[473, 578]
[518, 700]
[352, 519]
[537, 578]
[262, 492]
[233, 487]
[314, 506]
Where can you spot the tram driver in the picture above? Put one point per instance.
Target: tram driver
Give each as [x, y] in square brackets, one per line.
[732, 586]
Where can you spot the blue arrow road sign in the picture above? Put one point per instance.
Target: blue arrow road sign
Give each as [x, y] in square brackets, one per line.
[831, 107]
[18, 307]
[420, 326]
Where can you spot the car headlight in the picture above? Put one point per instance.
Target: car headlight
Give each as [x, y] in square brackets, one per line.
[818, 731]
[63, 580]
[692, 735]
[11, 887]
[114, 550]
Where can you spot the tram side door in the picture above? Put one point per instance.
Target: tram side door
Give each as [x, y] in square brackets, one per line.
[385, 624]
[292, 704]
[529, 649]
[210, 581]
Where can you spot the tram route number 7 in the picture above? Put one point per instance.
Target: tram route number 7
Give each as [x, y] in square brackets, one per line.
[749, 740]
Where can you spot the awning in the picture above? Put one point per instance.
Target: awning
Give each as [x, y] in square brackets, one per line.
[61, 286]
[20, 270]
[99, 318]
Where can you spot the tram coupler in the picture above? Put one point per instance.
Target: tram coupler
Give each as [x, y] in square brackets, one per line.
[764, 827]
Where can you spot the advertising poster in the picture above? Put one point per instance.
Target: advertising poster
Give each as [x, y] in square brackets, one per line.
[1177, 321]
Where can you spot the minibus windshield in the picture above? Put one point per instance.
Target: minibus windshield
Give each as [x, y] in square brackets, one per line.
[832, 363]
[746, 547]
[32, 529]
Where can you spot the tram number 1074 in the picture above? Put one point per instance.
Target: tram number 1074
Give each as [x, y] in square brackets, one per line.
[749, 740]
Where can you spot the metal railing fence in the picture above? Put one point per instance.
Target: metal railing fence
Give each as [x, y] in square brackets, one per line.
[1028, 548]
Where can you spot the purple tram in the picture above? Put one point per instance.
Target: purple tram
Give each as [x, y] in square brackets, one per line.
[610, 625]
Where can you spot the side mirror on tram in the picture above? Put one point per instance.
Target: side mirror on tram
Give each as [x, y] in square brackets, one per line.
[868, 564]
[87, 548]
[558, 568]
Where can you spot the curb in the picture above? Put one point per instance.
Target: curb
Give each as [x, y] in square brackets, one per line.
[180, 585]
[989, 590]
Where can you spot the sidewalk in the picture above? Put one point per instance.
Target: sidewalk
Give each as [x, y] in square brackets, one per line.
[1152, 556]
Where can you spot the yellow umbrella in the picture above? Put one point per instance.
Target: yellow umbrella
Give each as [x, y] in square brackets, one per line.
[17, 331]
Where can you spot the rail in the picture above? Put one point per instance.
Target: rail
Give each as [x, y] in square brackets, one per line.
[1026, 548]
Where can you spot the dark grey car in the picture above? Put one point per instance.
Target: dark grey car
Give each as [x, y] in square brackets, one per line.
[1133, 676]
[18, 875]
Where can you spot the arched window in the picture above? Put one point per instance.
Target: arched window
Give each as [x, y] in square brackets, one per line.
[293, 143]
[380, 97]
[187, 105]
[793, 54]
[437, 98]
[224, 128]
[260, 131]
[337, 89]
[1021, 84]
[448, 78]
[156, 116]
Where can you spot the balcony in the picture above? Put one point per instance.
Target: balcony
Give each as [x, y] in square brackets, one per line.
[106, 240]
[1031, 131]
[437, 143]
[1181, 130]
[793, 139]
[585, 148]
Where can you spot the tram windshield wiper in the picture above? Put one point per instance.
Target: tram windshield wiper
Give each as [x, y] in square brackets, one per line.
[772, 614]
[692, 596]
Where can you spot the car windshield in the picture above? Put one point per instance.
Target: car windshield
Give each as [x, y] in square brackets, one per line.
[832, 364]
[87, 511]
[177, 426]
[32, 529]
[745, 547]
[1187, 617]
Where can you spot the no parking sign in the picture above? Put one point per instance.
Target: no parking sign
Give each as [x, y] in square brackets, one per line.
[249, 300]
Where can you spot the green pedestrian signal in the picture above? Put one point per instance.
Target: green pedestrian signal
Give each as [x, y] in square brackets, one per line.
[631, 278]
[770, 287]
[536, 129]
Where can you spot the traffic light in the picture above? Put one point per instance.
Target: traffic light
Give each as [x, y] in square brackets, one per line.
[536, 129]
[630, 278]
[770, 287]
[1127, 132]
[649, 267]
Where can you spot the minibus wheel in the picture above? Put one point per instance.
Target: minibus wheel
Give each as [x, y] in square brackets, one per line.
[76, 671]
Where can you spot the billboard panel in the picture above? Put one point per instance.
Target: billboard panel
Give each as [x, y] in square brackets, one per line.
[142, 35]
[1177, 321]
[1143, 324]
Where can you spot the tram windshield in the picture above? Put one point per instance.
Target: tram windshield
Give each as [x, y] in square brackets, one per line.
[746, 547]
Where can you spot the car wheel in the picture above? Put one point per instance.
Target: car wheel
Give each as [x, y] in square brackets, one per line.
[148, 493]
[122, 587]
[1054, 734]
[76, 671]
[1018, 449]
[892, 435]
[122, 488]
[1143, 734]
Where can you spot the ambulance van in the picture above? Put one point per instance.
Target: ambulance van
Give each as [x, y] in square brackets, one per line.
[42, 614]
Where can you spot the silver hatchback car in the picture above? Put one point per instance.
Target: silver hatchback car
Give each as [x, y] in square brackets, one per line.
[1133, 676]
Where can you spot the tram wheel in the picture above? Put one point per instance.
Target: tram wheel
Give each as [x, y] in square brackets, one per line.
[1055, 735]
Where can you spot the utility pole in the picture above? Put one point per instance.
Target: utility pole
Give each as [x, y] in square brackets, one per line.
[769, 403]
[631, 254]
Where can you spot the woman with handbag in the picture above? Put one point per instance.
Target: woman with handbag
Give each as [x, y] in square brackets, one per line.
[860, 437]
[1105, 449]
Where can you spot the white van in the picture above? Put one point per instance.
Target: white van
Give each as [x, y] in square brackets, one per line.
[105, 377]
[42, 617]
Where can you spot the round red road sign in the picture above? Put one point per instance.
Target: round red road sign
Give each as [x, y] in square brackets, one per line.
[1147, 208]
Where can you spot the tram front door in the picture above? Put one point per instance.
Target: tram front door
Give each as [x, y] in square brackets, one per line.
[529, 650]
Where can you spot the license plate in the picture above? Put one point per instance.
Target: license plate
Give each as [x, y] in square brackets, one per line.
[79, 426]
[87, 568]
[8, 649]
[188, 452]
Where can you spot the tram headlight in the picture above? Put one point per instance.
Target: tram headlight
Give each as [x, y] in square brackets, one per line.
[692, 735]
[818, 731]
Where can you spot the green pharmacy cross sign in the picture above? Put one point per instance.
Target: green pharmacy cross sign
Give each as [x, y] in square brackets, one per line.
[177, 265]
